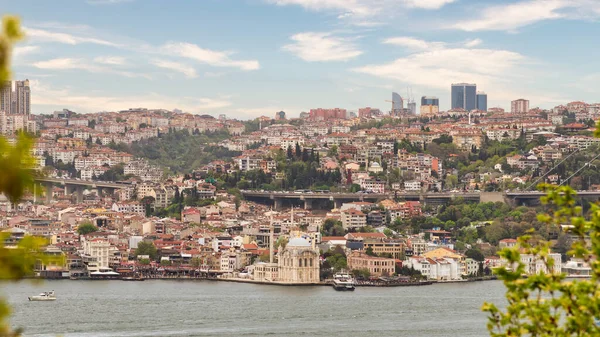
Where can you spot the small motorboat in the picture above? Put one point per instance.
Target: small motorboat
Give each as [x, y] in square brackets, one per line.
[45, 296]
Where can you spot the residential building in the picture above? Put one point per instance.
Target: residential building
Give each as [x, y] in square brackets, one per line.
[23, 97]
[97, 250]
[464, 96]
[519, 106]
[352, 218]
[535, 265]
[6, 97]
[327, 114]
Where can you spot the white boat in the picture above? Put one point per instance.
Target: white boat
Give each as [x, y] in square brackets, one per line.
[577, 268]
[45, 296]
[343, 282]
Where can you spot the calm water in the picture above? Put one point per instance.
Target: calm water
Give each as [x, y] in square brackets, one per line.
[209, 308]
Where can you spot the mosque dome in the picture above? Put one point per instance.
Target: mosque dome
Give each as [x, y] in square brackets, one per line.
[298, 242]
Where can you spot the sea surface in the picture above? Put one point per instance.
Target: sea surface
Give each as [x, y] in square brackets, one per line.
[212, 308]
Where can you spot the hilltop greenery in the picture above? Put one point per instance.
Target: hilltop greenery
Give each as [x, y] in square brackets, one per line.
[180, 151]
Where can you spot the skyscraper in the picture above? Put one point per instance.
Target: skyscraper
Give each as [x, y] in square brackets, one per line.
[23, 97]
[412, 107]
[481, 101]
[397, 104]
[6, 97]
[464, 96]
[519, 106]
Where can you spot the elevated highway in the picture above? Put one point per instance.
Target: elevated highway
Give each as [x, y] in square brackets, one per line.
[308, 198]
[77, 186]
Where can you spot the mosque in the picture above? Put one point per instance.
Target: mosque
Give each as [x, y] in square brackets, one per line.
[297, 262]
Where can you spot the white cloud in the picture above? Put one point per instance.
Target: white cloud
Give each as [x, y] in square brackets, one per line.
[413, 43]
[427, 4]
[211, 57]
[185, 69]
[362, 8]
[515, 15]
[322, 47]
[48, 36]
[346, 7]
[81, 64]
[491, 69]
[473, 43]
[111, 60]
[25, 50]
[52, 97]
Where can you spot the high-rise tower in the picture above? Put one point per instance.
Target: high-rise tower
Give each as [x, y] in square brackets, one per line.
[464, 96]
[481, 101]
[23, 97]
[6, 97]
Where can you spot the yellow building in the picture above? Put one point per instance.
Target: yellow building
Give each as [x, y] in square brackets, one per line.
[377, 266]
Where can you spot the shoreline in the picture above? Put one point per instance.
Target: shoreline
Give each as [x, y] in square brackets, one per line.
[366, 284]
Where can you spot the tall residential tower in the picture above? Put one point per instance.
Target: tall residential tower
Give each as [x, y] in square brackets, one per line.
[519, 106]
[6, 97]
[23, 98]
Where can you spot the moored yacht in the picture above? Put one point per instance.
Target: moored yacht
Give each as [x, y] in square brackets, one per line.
[45, 296]
[343, 282]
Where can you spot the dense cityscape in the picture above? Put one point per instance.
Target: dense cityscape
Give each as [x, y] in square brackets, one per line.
[390, 197]
[300, 168]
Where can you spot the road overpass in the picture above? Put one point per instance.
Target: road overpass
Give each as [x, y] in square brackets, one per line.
[308, 198]
[533, 197]
[77, 186]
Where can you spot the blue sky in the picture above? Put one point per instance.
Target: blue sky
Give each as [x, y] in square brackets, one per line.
[247, 58]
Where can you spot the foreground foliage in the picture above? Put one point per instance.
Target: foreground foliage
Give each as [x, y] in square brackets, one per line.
[548, 304]
[17, 260]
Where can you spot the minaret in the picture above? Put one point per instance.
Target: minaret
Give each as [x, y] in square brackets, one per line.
[292, 217]
[271, 238]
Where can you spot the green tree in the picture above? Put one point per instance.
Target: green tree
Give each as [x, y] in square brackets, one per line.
[146, 248]
[16, 163]
[85, 228]
[369, 251]
[475, 254]
[545, 304]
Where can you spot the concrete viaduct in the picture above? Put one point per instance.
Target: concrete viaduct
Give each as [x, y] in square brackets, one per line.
[77, 186]
[277, 198]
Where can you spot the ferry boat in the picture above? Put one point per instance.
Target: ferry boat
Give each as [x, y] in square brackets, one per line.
[577, 268]
[45, 296]
[343, 282]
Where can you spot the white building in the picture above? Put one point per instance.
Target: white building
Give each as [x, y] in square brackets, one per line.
[413, 185]
[97, 250]
[441, 269]
[353, 218]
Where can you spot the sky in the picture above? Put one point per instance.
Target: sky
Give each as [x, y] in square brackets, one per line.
[247, 58]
